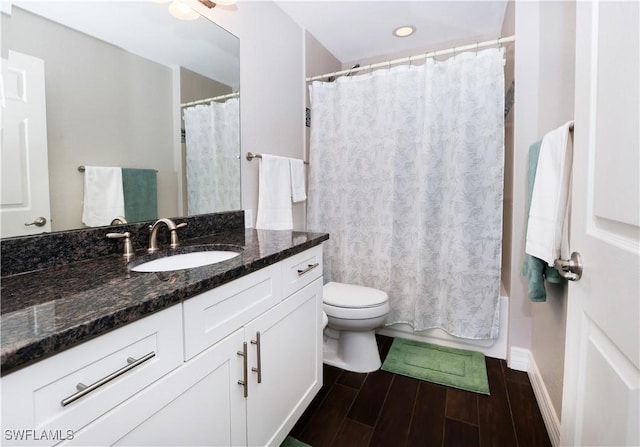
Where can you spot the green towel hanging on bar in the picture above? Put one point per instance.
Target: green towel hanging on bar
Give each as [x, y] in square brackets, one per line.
[535, 270]
[140, 187]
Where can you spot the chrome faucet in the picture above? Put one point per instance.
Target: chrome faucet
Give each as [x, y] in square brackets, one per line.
[153, 237]
[119, 220]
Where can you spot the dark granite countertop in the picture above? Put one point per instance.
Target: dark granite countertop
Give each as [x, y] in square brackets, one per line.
[47, 311]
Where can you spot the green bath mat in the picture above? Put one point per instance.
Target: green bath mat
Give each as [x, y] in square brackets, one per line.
[293, 442]
[456, 368]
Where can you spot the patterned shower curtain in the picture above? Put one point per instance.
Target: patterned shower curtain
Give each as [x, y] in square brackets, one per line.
[406, 174]
[213, 146]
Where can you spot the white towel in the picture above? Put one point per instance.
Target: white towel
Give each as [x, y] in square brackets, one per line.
[274, 194]
[547, 230]
[298, 189]
[103, 195]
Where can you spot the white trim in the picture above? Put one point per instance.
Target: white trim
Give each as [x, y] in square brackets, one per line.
[519, 359]
[523, 360]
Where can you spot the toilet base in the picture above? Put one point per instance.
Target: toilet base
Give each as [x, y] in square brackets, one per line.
[353, 351]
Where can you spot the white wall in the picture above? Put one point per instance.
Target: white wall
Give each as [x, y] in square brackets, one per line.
[544, 73]
[272, 88]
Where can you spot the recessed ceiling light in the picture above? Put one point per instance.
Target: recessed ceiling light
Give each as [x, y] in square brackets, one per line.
[404, 31]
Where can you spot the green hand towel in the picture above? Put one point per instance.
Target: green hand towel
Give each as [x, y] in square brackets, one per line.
[140, 187]
[535, 270]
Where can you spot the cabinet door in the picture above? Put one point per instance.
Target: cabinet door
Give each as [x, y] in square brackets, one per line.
[290, 365]
[200, 403]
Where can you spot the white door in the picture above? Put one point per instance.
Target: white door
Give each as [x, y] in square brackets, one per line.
[601, 397]
[24, 207]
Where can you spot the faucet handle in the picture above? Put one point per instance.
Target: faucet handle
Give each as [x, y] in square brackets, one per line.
[128, 247]
[174, 235]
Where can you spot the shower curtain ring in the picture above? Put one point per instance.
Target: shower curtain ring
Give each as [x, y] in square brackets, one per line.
[370, 69]
[499, 44]
[477, 45]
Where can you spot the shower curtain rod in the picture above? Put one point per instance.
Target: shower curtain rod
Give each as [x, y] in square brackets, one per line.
[454, 50]
[215, 98]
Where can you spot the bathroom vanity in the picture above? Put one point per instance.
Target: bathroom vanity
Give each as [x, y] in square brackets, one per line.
[225, 354]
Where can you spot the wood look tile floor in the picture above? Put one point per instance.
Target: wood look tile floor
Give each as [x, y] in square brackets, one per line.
[390, 410]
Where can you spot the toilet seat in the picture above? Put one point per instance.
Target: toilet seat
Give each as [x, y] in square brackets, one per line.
[356, 313]
[350, 296]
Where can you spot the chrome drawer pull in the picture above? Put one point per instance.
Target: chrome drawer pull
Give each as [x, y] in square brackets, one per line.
[258, 369]
[83, 389]
[309, 267]
[245, 361]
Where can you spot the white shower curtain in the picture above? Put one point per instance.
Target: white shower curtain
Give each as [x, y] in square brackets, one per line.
[213, 167]
[406, 174]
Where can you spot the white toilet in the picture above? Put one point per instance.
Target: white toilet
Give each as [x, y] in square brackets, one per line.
[354, 312]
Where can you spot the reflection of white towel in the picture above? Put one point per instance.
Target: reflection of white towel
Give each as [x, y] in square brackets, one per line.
[298, 190]
[274, 194]
[103, 195]
[547, 230]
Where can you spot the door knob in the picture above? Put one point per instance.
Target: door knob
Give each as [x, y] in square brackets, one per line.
[571, 268]
[39, 222]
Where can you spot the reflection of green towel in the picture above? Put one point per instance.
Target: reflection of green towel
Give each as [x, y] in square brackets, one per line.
[140, 187]
[535, 270]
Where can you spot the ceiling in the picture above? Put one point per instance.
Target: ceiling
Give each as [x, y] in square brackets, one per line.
[112, 21]
[358, 31]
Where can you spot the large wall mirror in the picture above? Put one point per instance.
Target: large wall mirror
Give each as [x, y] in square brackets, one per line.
[126, 85]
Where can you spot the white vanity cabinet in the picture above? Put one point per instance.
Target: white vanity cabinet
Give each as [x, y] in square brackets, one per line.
[198, 404]
[280, 311]
[248, 363]
[55, 398]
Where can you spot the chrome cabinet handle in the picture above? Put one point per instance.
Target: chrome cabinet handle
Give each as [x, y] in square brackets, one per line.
[245, 382]
[309, 267]
[83, 389]
[39, 222]
[258, 369]
[571, 268]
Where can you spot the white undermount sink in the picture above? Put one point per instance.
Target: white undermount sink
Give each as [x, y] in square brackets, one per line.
[185, 261]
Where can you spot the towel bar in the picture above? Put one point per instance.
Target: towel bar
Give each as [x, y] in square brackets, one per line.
[251, 156]
[82, 169]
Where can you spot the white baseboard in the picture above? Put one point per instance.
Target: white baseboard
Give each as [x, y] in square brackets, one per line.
[519, 359]
[522, 360]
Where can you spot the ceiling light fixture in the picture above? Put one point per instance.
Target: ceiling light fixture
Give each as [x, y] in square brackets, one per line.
[182, 11]
[209, 4]
[404, 31]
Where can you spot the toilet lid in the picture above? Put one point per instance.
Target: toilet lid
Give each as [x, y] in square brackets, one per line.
[348, 295]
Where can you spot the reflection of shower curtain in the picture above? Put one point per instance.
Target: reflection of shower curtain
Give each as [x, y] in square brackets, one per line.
[213, 167]
[406, 174]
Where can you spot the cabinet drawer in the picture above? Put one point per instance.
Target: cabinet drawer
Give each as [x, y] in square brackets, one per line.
[213, 315]
[301, 269]
[45, 397]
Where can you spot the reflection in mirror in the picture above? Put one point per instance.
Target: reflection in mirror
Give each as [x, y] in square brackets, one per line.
[118, 78]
